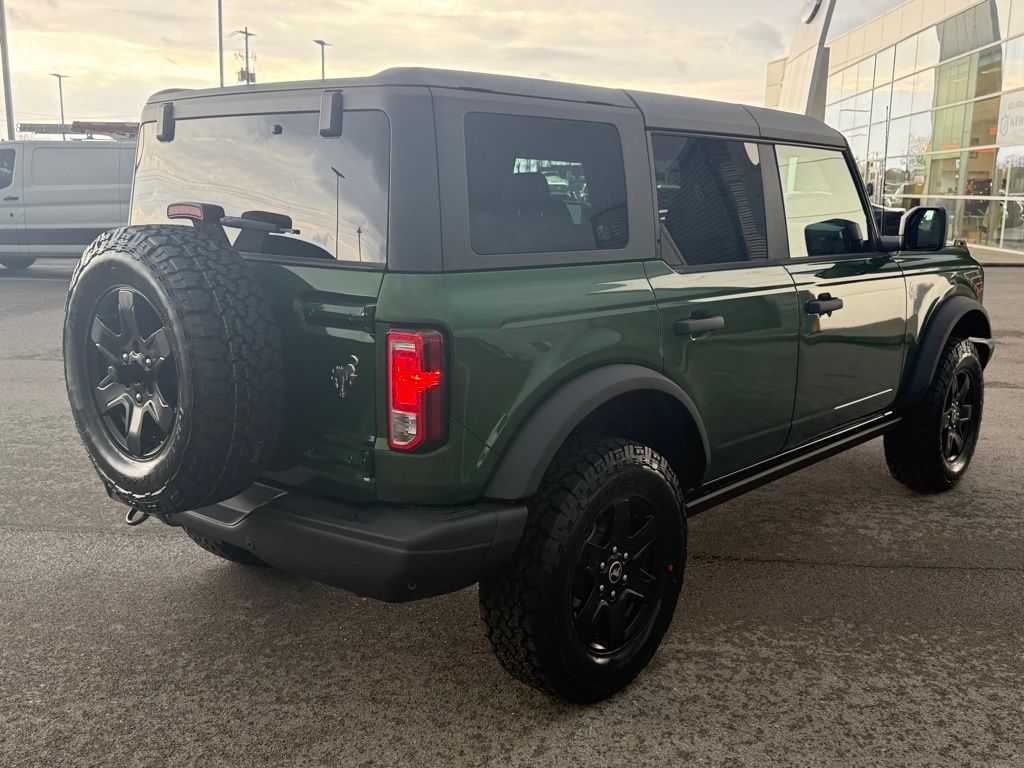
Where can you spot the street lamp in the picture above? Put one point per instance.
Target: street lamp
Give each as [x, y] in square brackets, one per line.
[220, 39]
[323, 57]
[60, 90]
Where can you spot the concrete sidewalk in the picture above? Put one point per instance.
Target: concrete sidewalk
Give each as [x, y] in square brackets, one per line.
[995, 257]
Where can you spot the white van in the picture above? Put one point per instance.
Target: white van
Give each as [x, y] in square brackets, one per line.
[57, 196]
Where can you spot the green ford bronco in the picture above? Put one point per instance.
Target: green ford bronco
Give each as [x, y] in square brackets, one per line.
[412, 332]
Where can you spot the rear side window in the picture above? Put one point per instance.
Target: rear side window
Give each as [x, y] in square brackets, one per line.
[79, 165]
[542, 185]
[824, 212]
[710, 199]
[334, 190]
[7, 157]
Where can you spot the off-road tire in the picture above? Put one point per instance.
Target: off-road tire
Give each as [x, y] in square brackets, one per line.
[17, 263]
[224, 340]
[527, 606]
[224, 550]
[913, 448]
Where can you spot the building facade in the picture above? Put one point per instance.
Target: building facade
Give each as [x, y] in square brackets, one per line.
[930, 97]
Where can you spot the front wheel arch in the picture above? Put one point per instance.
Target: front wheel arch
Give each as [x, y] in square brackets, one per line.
[535, 445]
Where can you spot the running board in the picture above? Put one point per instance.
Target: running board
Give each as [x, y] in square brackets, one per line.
[789, 463]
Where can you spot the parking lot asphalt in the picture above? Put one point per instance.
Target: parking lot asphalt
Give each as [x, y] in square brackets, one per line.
[830, 619]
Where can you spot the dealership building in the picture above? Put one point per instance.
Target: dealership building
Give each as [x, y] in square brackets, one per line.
[930, 96]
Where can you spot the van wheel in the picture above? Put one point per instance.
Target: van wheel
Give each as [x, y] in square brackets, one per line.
[224, 550]
[173, 367]
[581, 607]
[932, 447]
[17, 263]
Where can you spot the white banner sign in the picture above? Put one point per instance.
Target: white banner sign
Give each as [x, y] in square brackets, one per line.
[1011, 119]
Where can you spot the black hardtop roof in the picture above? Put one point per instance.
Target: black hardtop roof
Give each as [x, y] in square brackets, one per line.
[660, 111]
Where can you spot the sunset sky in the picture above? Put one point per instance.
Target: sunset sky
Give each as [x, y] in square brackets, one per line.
[117, 53]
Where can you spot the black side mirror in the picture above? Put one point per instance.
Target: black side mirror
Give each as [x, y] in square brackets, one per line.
[924, 228]
[870, 189]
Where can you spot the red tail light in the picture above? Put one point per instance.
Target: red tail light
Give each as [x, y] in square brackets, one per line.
[416, 391]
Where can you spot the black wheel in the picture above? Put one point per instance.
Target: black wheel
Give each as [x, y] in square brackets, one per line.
[17, 263]
[224, 550]
[582, 606]
[173, 367]
[932, 447]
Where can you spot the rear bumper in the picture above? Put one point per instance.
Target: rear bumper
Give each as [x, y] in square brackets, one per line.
[389, 553]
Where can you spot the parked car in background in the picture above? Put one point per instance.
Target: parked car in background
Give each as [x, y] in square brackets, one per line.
[57, 196]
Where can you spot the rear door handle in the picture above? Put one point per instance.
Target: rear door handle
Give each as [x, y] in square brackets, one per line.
[9, 198]
[825, 304]
[695, 326]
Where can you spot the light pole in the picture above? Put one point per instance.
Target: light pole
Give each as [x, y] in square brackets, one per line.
[5, 61]
[246, 34]
[220, 39]
[323, 57]
[60, 90]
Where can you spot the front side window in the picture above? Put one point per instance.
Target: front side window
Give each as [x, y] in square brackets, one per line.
[7, 157]
[334, 190]
[710, 199]
[542, 185]
[824, 213]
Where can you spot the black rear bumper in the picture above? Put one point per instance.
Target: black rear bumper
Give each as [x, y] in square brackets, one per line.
[386, 552]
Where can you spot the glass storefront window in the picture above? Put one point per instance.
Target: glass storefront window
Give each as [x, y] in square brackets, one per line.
[880, 104]
[989, 73]
[866, 74]
[924, 90]
[834, 88]
[951, 82]
[876, 141]
[1016, 25]
[832, 114]
[944, 175]
[1013, 61]
[920, 133]
[849, 82]
[883, 65]
[902, 97]
[948, 131]
[983, 122]
[858, 140]
[899, 137]
[906, 58]
[981, 166]
[1010, 171]
[927, 48]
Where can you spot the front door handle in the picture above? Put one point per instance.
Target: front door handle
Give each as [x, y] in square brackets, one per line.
[695, 326]
[9, 198]
[825, 304]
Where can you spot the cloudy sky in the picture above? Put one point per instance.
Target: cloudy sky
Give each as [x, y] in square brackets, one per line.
[117, 52]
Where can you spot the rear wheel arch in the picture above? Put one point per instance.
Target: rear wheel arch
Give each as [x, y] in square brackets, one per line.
[956, 317]
[621, 400]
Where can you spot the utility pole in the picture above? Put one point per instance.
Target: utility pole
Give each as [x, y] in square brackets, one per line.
[247, 34]
[60, 90]
[5, 61]
[323, 58]
[220, 39]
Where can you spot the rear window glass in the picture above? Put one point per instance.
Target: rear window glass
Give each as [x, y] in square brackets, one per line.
[539, 185]
[79, 165]
[334, 190]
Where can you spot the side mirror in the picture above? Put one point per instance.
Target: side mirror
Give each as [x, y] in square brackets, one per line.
[870, 189]
[924, 228]
[921, 229]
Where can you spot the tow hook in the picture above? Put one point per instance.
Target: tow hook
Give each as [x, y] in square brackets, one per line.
[136, 517]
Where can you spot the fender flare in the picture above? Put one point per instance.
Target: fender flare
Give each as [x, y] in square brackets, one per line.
[524, 462]
[938, 328]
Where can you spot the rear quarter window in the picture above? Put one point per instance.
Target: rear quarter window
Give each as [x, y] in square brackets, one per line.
[544, 185]
[335, 190]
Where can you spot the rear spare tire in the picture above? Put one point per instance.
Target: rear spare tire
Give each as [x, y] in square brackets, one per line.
[173, 367]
